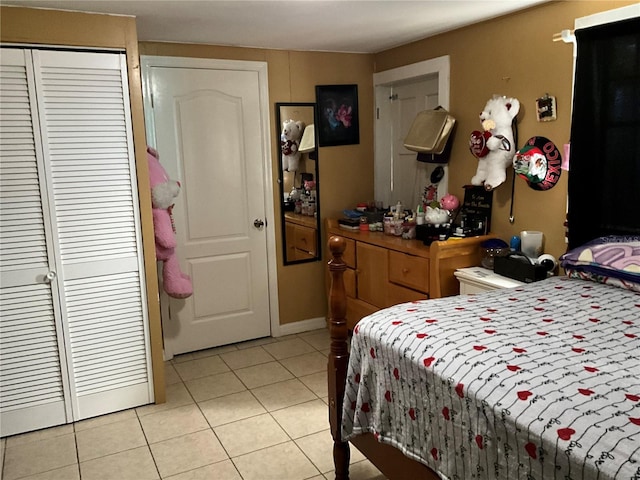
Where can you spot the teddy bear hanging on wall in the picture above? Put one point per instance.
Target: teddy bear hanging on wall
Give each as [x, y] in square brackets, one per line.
[494, 147]
[163, 193]
[290, 143]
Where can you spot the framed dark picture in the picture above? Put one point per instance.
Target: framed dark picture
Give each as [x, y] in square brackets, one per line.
[337, 115]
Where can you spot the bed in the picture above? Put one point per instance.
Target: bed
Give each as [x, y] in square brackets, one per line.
[540, 382]
[537, 382]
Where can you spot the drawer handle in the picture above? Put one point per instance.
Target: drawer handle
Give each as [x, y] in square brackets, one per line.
[405, 270]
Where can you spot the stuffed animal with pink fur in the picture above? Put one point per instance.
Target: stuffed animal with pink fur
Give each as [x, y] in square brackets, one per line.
[163, 192]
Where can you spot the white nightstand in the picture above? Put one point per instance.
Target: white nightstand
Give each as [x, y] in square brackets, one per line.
[479, 279]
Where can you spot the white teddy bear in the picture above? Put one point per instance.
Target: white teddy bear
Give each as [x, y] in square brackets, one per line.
[289, 143]
[494, 147]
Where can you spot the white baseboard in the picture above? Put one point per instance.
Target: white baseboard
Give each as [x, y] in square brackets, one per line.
[300, 327]
[282, 330]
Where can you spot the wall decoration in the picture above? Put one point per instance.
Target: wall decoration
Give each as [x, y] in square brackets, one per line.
[539, 163]
[495, 146]
[546, 108]
[337, 115]
[476, 210]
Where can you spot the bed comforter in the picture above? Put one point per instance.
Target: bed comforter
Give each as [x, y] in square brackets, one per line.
[538, 382]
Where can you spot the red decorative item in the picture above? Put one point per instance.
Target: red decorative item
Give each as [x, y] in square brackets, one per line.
[565, 433]
[478, 143]
[524, 394]
[531, 450]
[434, 453]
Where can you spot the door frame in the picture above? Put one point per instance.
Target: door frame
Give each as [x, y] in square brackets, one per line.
[260, 68]
[383, 83]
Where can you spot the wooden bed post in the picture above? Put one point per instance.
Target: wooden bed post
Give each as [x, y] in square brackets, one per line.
[338, 356]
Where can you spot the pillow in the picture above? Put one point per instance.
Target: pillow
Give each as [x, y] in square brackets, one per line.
[592, 277]
[612, 256]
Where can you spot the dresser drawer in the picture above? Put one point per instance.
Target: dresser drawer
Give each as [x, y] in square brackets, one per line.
[305, 239]
[349, 255]
[397, 294]
[357, 310]
[467, 288]
[372, 274]
[349, 279]
[409, 270]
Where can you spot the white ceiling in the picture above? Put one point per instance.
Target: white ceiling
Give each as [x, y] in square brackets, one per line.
[361, 26]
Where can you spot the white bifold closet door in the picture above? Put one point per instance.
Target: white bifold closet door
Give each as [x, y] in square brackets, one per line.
[73, 320]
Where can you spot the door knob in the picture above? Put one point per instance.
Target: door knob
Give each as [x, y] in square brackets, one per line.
[258, 223]
[50, 276]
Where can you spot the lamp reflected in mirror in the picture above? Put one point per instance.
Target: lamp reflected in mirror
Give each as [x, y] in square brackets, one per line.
[308, 142]
[299, 186]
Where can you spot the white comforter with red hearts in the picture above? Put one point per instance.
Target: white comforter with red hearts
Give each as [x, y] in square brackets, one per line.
[538, 382]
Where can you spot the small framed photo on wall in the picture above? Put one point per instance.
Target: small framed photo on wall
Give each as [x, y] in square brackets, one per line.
[337, 115]
[546, 108]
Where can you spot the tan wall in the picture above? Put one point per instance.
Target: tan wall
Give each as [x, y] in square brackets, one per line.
[514, 56]
[345, 172]
[50, 27]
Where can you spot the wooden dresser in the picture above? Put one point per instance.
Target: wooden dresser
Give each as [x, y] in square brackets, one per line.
[384, 270]
[301, 234]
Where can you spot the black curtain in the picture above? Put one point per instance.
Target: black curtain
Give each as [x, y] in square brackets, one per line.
[604, 176]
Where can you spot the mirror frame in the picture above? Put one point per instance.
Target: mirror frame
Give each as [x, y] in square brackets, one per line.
[281, 180]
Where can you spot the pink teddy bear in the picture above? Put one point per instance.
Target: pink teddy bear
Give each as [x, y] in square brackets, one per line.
[163, 191]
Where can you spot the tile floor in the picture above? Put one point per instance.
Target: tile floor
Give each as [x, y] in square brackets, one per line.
[252, 411]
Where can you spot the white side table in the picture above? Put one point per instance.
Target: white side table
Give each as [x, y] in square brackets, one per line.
[479, 279]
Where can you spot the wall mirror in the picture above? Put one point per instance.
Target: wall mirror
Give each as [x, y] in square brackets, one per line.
[299, 185]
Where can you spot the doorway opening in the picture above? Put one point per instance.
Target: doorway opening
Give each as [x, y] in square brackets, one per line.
[401, 93]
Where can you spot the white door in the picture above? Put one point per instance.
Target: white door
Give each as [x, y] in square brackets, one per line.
[400, 94]
[409, 177]
[210, 136]
[34, 391]
[85, 124]
[73, 322]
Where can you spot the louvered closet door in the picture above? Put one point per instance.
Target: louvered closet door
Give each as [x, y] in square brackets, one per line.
[83, 101]
[31, 358]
